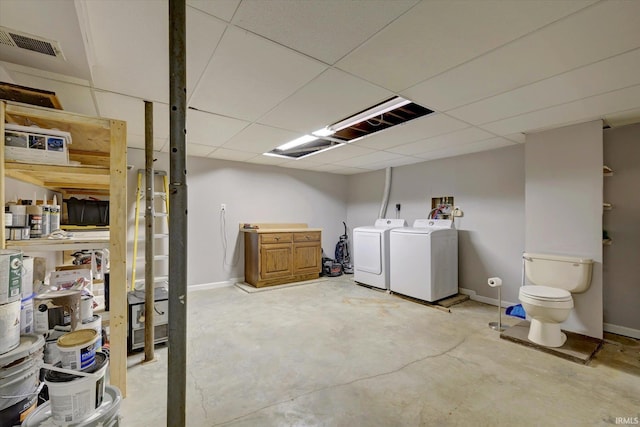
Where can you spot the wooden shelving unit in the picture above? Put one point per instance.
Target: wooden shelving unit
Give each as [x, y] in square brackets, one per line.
[99, 145]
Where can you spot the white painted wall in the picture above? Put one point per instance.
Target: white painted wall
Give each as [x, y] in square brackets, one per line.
[488, 187]
[252, 193]
[620, 260]
[564, 208]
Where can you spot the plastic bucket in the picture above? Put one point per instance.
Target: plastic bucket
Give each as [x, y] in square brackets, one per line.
[17, 413]
[86, 308]
[78, 349]
[19, 377]
[10, 275]
[9, 326]
[94, 323]
[26, 315]
[105, 416]
[75, 397]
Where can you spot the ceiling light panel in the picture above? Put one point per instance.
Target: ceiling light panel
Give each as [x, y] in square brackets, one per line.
[259, 139]
[249, 75]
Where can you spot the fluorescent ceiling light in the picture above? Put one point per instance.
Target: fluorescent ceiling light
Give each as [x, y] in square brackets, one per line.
[296, 142]
[385, 107]
[321, 151]
[276, 155]
[324, 132]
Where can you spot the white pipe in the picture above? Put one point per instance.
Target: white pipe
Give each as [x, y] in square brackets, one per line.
[385, 197]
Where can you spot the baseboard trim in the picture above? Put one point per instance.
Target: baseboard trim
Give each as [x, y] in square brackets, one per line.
[214, 285]
[491, 301]
[621, 330]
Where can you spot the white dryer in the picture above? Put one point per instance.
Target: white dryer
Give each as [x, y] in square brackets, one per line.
[371, 252]
[424, 260]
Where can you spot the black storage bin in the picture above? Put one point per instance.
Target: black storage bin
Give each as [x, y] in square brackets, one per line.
[87, 211]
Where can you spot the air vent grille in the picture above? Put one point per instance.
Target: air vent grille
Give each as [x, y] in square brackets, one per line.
[30, 42]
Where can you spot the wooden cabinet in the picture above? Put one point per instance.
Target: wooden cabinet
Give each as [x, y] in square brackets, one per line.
[99, 145]
[274, 256]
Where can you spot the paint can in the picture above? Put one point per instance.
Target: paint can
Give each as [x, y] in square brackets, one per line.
[19, 213]
[95, 323]
[46, 220]
[34, 220]
[105, 416]
[74, 396]
[8, 219]
[9, 326]
[54, 218]
[19, 379]
[78, 349]
[10, 275]
[57, 308]
[26, 315]
[86, 308]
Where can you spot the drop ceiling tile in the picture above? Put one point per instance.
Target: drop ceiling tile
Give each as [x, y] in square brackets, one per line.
[325, 30]
[344, 170]
[475, 147]
[226, 154]
[614, 73]
[198, 150]
[578, 111]
[437, 35]
[261, 159]
[130, 47]
[593, 34]
[259, 139]
[203, 35]
[623, 118]
[339, 153]
[370, 158]
[132, 55]
[305, 164]
[249, 75]
[414, 130]
[131, 110]
[329, 98]
[516, 137]
[211, 129]
[73, 97]
[400, 161]
[137, 141]
[449, 140]
[223, 9]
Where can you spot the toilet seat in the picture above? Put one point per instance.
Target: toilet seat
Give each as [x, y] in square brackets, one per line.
[546, 296]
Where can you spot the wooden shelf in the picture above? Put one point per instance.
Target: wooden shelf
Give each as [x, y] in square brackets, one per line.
[99, 145]
[62, 179]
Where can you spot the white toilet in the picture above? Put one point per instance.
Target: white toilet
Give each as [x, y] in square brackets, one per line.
[548, 301]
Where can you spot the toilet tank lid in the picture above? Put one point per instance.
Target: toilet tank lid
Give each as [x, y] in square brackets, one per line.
[529, 256]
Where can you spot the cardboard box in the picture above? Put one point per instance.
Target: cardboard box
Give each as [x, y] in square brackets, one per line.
[67, 276]
[36, 145]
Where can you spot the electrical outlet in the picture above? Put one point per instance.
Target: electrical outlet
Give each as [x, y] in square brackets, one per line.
[223, 206]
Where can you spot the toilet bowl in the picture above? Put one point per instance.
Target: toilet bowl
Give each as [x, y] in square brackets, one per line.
[548, 308]
[548, 301]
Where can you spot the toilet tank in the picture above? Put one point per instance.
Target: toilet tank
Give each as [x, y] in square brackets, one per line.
[557, 271]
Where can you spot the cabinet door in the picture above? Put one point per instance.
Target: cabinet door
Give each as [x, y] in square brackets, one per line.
[307, 257]
[275, 260]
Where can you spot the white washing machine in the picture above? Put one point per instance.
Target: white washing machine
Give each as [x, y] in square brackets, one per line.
[371, 252]
[424, 260]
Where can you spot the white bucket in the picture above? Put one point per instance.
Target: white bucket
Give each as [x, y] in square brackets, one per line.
[9, 326]
[78, 349]
[94, 323]
[105, 416]
[86, 308]
[10, 275]
[26, 315]
[19, 376]
[76, 396]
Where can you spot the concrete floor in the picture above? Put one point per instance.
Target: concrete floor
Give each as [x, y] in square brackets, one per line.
[338, 354]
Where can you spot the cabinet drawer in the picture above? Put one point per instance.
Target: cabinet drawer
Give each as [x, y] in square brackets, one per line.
[308, 236]
[275, 238]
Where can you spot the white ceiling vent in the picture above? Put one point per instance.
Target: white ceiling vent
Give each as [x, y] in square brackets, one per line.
[9, 37]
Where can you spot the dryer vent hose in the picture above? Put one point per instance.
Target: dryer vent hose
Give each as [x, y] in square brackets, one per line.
[385, 196]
